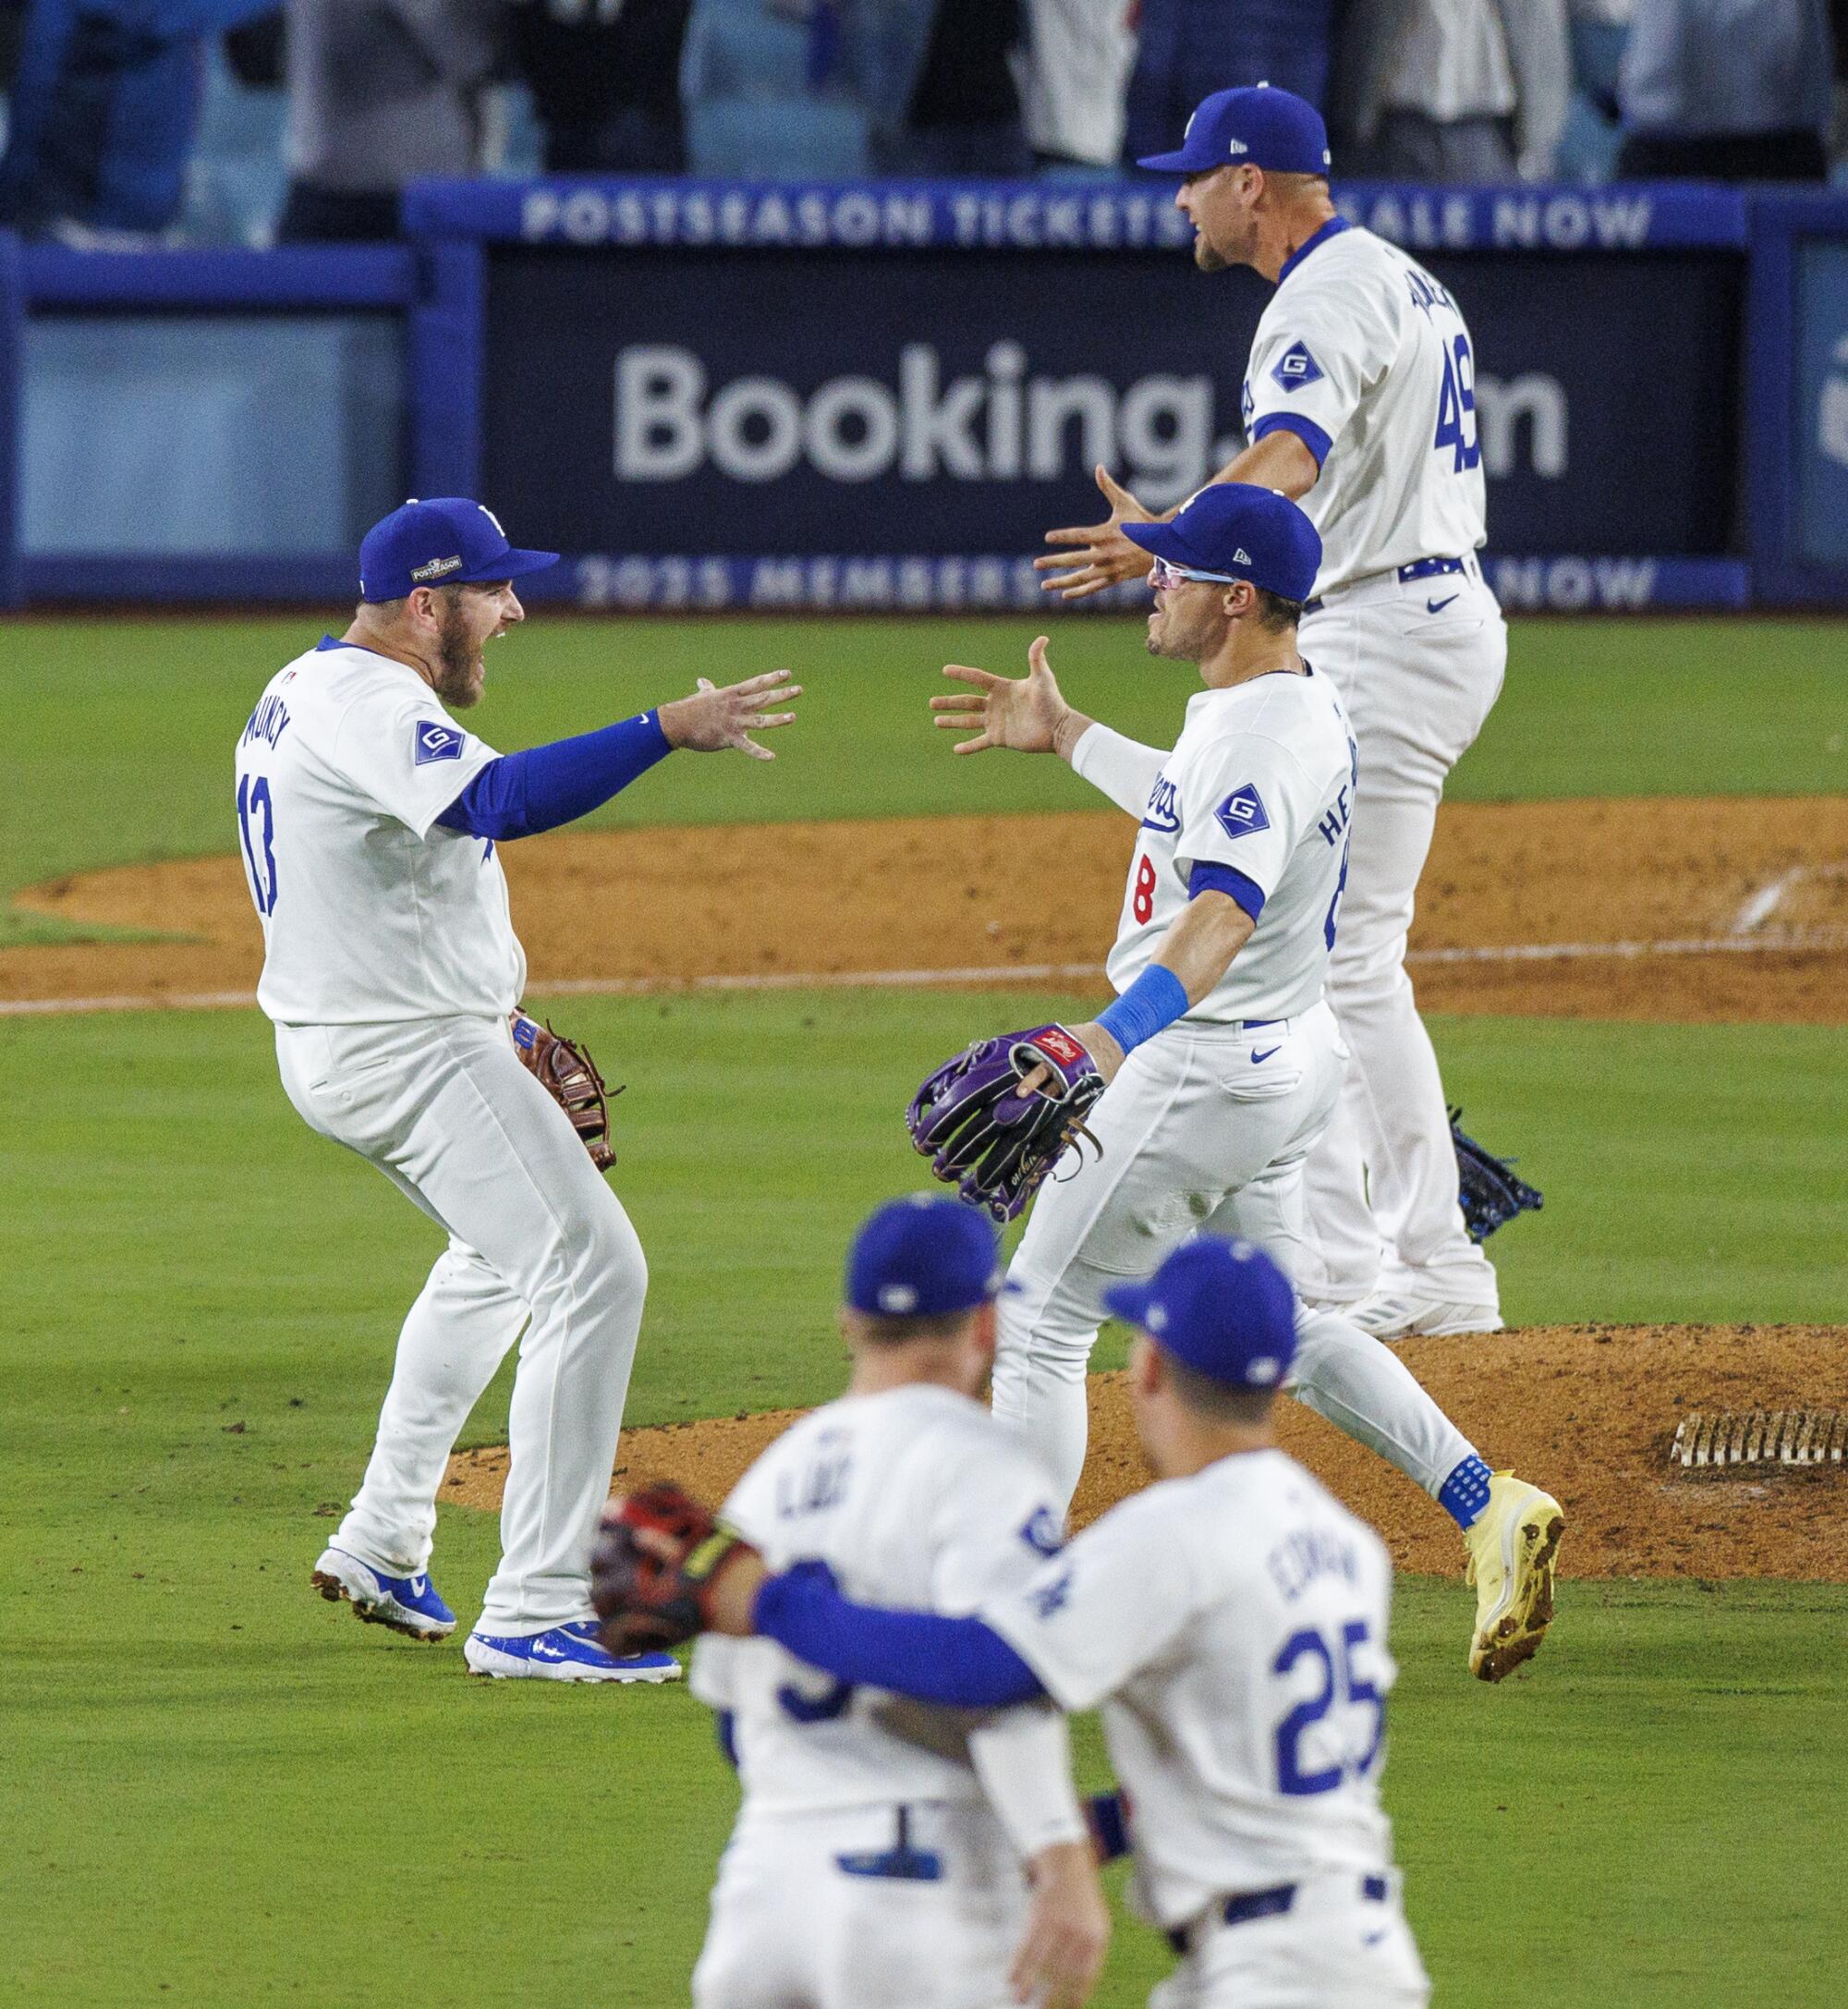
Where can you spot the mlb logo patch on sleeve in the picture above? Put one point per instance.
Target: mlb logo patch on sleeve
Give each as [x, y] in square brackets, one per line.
[430, 741]
[1241, 812]
[1295, 367]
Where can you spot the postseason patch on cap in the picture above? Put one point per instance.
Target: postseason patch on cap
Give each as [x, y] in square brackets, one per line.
[431, 742]
[437, 566]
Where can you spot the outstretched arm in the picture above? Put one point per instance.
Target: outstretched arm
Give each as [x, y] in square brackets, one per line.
[1098, 554]
[955, 1662]
[520, 794]
[1028, 714]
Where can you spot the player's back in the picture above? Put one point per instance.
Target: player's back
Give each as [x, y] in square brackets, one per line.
[1365, 352]
[1253, 1747]
[1232, 1626]
[370, 909]
[915, 1496]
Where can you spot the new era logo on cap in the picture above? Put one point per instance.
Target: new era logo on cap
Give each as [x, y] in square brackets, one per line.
[1236, 147]
[1241, 557]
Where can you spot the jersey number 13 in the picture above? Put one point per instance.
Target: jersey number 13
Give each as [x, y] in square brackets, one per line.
[257, 826]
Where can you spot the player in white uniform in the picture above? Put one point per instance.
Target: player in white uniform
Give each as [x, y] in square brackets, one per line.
[868, 1868]
[1359, 400]
[368, 821]
[1231, 1622]
[1223, 1060]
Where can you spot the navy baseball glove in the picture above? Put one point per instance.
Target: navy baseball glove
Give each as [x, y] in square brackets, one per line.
[983, 1137]
[1490, 1193]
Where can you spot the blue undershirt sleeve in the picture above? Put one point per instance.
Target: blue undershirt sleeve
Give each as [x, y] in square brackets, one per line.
[521, 794]
[955, 1662]
[1306, 430]
[1207, 877]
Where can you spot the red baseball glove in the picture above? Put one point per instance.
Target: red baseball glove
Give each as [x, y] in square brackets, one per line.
[659, 1553]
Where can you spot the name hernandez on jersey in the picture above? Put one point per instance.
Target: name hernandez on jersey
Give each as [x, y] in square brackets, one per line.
[1367, 360]
[1260, 784]
[1232, 1626]
[371, 911]
[915, 1496]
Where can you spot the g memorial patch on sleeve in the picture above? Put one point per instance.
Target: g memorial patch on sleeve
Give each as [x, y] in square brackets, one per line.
[430, 741]
[1294, 367]
[1241, 812]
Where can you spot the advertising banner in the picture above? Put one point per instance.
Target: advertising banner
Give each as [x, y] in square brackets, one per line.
[946, 401]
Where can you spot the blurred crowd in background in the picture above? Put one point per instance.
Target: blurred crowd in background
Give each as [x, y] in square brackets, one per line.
[244, 121]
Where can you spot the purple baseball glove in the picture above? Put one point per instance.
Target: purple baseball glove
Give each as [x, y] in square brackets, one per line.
[982, 1137]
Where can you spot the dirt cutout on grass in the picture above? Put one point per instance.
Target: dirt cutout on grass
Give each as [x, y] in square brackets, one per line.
[1766, 881]
[1588, 1411]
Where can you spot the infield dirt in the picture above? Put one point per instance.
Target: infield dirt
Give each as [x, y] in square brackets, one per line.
[1588, 1411]
[1575, 909]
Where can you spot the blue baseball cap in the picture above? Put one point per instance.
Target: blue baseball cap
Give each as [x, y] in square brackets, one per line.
[448, 541]
[1222, 1308]
[1253, 127]
[1237, 531]
[922, 1257]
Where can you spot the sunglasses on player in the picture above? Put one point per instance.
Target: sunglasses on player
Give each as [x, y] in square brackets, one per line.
[1166, 576]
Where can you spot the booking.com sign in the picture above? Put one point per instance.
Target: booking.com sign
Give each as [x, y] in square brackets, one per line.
[1009, 424]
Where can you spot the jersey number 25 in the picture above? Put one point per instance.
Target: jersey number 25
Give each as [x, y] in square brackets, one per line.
[1338, 1677]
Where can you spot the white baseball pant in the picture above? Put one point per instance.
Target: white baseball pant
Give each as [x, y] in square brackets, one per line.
[1333, 1949]
[1205, 1129]
[444, 1108]
[1417, 684]
[802, 1919]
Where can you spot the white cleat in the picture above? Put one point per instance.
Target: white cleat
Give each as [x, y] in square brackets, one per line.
[1413, 1304]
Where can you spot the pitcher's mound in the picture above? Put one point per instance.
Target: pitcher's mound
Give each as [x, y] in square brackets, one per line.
[1588, 1412]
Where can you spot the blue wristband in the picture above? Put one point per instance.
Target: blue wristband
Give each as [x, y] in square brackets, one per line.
[1155, 1000]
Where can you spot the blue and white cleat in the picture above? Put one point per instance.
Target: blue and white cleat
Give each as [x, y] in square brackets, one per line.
[565, 1653]
[407, 1604]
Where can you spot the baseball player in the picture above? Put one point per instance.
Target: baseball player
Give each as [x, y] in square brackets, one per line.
[1231, 1622]
[368, 820]
[1223, 1059]
[1360, 401]
[868, 1866]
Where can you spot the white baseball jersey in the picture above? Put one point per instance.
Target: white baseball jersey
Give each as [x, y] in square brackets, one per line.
[1367, 358]
[1234, 1627]
[916, 1497]
[1261, 781]
[371, 910]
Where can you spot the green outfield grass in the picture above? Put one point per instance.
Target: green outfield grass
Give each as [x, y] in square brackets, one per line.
[261, 1798]
[130, 725]
[216, 1790]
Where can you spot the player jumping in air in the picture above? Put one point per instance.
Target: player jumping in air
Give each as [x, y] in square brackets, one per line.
[1222, 1060]
[1360, 402]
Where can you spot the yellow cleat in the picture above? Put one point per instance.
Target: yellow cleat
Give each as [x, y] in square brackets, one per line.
[1512, 1546]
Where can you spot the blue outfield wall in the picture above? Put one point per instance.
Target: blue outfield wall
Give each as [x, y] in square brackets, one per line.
[792, 396]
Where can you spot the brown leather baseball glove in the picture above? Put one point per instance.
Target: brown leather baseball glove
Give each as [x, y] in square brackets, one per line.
[658, 1554]
[569, 1075]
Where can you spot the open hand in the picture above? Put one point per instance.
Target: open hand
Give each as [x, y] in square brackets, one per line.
[1023, 713]
[1101, 556]
[716, 718]
[1067, 1929]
